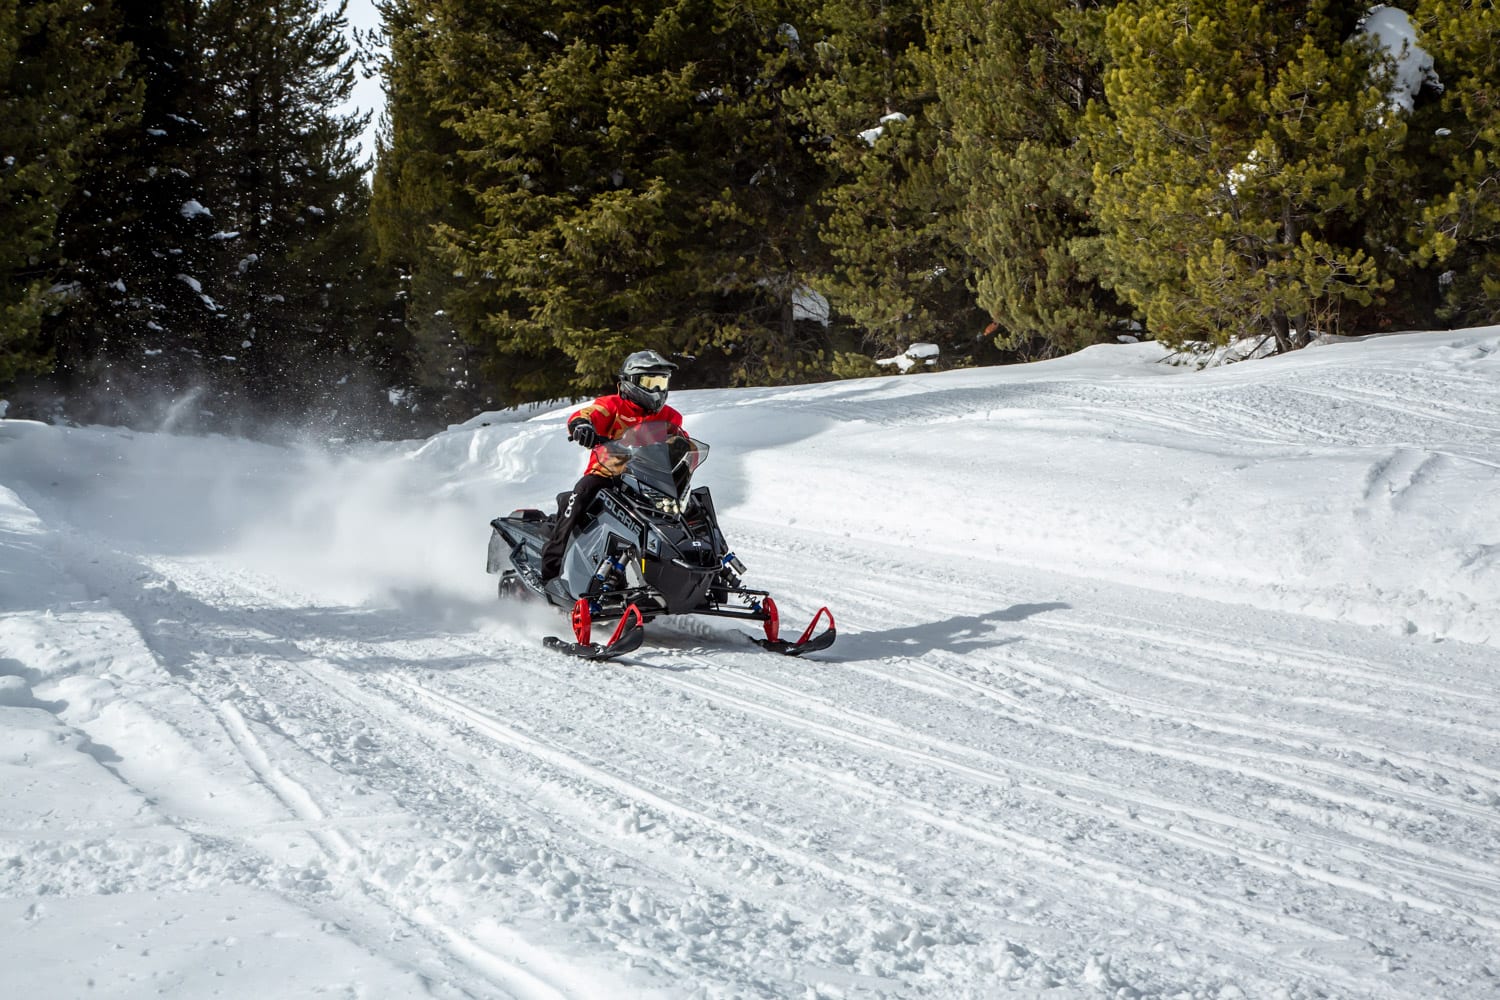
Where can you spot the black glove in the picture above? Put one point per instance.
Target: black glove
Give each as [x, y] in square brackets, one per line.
[583, 432]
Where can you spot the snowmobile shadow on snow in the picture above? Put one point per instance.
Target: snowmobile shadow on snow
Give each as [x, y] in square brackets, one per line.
[680, 642]
[15, 668]
[671, 668]
[960, 634]
[24, 697]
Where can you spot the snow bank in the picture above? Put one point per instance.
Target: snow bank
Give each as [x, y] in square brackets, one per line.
[1340, 482]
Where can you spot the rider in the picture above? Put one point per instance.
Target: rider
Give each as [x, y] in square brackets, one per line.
[642, 399]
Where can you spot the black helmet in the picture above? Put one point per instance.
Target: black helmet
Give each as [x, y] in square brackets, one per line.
[643, 380]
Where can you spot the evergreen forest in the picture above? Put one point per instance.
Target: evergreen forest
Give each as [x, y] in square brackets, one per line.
[770, 191]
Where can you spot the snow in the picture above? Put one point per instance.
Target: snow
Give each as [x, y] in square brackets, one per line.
[1150, 682]
[197, 286]
[1244, 172]
[916, 354]
[192, 208]
[810, 304]
[871, 135]
[1392, 30]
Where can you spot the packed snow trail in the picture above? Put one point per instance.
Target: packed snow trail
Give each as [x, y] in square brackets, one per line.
[1145, 686]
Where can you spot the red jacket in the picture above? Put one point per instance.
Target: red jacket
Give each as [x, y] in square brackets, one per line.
[613, 415]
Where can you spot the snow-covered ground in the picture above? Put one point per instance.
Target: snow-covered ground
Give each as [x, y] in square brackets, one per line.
[1149, 683]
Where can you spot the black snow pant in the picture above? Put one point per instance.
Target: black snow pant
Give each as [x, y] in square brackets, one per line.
[568, 513]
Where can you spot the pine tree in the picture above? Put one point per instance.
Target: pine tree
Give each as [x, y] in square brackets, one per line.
[898, 265]
[1461, 227]
[1240, 146]
[754, 198]
[1013, 78]
[137, 240]
[60, 93]
[639, 181]
[290, 201]
[219, 243]
[418, 186]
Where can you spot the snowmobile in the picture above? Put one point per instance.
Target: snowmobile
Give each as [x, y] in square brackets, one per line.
[649, 545]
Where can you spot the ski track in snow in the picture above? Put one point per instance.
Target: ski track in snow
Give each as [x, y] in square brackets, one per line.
[1003, 778]
[1336, 849]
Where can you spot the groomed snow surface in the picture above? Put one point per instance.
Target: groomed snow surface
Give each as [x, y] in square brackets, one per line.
[1149, 683]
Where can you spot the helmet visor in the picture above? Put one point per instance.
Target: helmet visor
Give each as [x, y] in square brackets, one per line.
[652, 383]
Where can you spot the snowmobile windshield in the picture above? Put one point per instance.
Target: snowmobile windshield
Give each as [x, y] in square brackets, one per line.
[663, 463]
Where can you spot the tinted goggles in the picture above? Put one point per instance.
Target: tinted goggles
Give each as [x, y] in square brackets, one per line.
[652, 383]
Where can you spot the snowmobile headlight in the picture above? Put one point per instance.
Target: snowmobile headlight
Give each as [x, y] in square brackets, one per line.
[662, 502]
